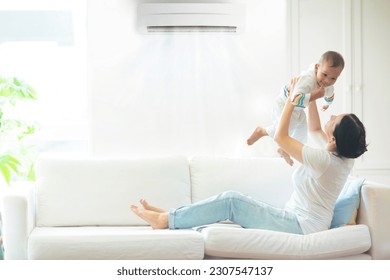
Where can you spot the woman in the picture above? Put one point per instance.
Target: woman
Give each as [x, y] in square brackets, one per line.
[317, 182]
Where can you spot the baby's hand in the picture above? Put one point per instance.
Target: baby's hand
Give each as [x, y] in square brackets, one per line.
[324, 107]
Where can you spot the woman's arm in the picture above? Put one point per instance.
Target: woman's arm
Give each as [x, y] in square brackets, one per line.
[314, 122]
[290, 145]
[287, 143]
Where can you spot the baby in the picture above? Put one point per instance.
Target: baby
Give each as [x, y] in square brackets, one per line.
[318, 79]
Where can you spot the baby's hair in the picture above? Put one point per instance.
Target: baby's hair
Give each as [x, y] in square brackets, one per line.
[334, 58]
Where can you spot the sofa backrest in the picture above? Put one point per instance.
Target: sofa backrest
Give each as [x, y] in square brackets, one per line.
[266, 179]
[82, 192]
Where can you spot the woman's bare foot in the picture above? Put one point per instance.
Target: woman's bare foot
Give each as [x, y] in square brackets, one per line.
[155, 219]
[256, 135]
[286, 156]
[147, 206]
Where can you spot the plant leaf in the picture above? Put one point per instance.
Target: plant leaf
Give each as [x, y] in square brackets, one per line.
[8, 163]
[6, 174]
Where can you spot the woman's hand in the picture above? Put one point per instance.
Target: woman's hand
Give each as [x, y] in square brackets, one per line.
[317, 93]
[293, 82]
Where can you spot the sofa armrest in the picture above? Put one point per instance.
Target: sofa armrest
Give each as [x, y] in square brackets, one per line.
[18, 220]
[374, 212]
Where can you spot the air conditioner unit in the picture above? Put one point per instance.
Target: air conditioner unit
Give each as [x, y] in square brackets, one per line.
[190, 17]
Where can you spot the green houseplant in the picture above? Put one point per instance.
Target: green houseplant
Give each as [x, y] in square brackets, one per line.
[16, 157]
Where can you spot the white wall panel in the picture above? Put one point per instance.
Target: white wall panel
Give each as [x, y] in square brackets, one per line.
[359, 29]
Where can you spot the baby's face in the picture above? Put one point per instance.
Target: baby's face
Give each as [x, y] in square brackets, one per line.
[326, 74]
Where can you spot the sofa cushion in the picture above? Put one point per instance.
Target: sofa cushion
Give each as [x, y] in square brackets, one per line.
[235, 242]
[347, 204]
[113, 243]
[99, 191]
[266, 179]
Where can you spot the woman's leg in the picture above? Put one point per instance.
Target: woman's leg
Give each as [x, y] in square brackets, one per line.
[236, 207]
[157, 220]
[147, 206]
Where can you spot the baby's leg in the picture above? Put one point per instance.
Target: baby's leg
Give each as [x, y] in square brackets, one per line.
[256, 135]
[286, 156]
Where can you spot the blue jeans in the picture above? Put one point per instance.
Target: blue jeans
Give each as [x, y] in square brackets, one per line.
[239, 209]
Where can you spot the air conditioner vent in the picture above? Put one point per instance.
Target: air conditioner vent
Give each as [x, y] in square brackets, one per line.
[164, 29]
[190, 17]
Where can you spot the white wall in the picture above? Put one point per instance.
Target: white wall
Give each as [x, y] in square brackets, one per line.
[154, 95]
[183, 94]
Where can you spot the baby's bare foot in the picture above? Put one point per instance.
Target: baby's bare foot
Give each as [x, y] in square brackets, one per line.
[155, 219]
[147, 206]
[286, 156]
[256, 135]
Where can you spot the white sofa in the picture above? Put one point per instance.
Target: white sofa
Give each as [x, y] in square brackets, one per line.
[79, 209]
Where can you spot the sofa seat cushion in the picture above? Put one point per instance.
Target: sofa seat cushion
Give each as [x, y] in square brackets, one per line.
[234, 242]
[112, 243]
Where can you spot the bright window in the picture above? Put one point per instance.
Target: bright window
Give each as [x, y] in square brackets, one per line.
[44, 44]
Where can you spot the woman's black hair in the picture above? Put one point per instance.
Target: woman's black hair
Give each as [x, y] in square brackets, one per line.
[350, 136]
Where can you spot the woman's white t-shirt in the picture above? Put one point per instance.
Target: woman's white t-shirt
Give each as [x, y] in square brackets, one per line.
[317, 184]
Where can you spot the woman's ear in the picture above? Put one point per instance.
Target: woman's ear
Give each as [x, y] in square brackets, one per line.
[332, 143]
[316, 67]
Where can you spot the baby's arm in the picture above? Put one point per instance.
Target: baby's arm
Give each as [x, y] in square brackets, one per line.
[328, 101]
[304, 93]
[300, 99]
